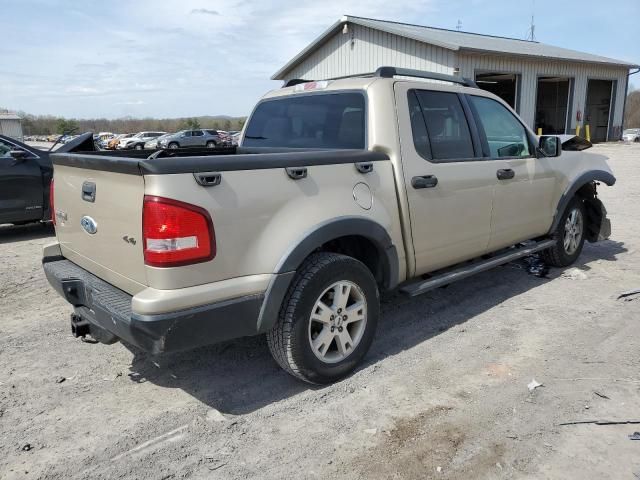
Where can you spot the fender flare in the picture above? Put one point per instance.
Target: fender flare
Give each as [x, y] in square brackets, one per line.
[318, 236]
[577, 184]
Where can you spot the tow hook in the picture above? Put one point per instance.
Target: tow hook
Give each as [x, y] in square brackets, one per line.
[79, 326]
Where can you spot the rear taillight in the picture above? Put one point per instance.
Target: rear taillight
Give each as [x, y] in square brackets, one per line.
[176, 233]
[52, 208]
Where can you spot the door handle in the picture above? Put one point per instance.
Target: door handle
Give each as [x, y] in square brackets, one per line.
[426, 181]
[505, 174]
[297, 173]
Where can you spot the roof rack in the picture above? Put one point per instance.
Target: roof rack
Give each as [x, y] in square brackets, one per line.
[390, 72]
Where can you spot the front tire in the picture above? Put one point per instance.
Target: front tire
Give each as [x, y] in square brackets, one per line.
[173, 145]
[327, 320]
[569, 234]
[139, 147]
[211, 144]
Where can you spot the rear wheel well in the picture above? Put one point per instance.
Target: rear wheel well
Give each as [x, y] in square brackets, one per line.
[362, 249]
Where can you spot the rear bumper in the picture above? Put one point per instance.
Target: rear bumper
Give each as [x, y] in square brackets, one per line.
[107, 308]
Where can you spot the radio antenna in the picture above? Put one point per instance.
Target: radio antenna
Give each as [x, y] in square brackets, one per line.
[531, 33]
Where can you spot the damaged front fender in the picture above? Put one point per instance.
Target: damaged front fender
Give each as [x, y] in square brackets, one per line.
[598, 224]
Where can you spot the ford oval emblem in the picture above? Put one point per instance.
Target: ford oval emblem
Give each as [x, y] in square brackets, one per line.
[89, 225]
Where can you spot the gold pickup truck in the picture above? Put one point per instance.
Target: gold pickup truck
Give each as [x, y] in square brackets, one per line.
[339, 190]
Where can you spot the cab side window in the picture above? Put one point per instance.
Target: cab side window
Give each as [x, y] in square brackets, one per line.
[446, 126]
[505, 134]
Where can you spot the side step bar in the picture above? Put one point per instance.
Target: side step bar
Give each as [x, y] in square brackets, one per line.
[450, 276]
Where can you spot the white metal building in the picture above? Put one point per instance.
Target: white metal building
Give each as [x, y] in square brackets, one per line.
[552, 88]
[11, 125]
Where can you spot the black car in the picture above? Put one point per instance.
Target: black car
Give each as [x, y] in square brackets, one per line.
[25, 179]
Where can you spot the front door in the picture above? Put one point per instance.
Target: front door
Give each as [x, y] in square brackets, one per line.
[197, 138]
[449, 185]
[523, 200]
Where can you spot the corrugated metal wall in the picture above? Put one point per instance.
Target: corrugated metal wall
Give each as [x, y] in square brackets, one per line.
[11, 128]
[364, 49]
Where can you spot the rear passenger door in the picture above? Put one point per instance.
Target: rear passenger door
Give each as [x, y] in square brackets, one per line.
[523, 200]
[449, 186]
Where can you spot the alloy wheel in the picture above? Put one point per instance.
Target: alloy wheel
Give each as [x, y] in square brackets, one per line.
[338, 321]
[573, 229]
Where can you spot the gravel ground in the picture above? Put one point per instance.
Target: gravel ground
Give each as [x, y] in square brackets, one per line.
[443, 392]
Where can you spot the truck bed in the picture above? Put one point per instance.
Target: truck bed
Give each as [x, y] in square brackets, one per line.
[83, 154]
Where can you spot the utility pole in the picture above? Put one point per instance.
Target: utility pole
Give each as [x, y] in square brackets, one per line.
[459, 25]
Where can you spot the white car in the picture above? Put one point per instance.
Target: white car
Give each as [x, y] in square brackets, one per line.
[138, 140]
[631, 135]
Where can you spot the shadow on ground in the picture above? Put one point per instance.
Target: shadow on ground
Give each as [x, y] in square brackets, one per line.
[30, 231]
[239, 376]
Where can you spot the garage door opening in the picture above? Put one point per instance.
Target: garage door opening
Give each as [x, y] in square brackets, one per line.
[504, 85]
[552, 105]
[598, 108]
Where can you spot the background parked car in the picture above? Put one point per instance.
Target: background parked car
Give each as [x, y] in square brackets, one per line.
[192, 138]
[113, 143]
[153, 144]
[631, 135]
[138, 140]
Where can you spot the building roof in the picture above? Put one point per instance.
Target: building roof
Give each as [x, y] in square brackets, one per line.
[457, 41]
[9, 116]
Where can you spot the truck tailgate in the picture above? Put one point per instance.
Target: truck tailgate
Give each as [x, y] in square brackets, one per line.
[99, 223]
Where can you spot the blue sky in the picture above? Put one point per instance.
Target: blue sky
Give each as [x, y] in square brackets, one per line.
[171, 58]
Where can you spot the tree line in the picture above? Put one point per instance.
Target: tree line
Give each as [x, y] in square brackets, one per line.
[632, 110]
[49, 124]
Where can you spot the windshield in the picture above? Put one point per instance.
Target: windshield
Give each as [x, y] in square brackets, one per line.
[630, 131]
[331, 120]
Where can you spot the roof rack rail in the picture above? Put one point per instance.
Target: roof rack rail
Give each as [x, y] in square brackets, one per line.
[390, 72]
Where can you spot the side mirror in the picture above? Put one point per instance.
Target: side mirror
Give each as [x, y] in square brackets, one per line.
[550, 146]
[18, 154]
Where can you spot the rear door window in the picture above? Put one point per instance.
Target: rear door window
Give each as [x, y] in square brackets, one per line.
[331, 120]
[444, 129]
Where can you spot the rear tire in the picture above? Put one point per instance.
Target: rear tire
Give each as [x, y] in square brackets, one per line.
[327, 320]
[139, 147]
[569, 235]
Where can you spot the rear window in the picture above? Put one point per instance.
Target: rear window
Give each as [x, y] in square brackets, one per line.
[309, 121]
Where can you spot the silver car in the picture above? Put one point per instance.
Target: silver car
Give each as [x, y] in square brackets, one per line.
[631, 135]
[191, 138]
[154, 143]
